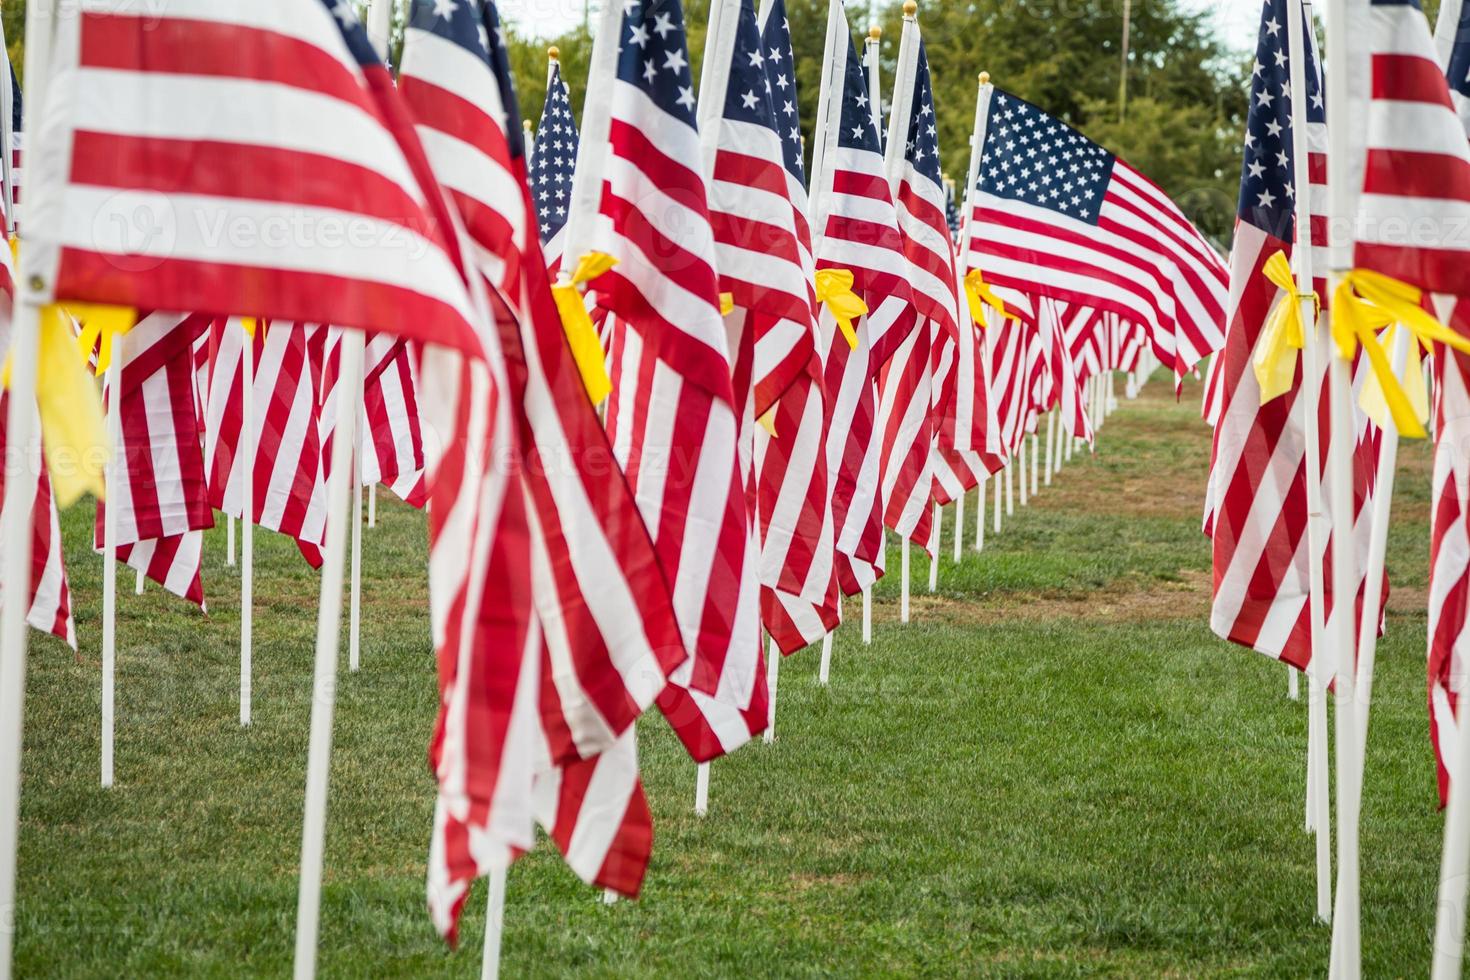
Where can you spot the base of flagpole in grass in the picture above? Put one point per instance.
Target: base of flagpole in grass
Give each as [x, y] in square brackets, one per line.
[959, 527]
[494, 926]
[999, 482]
[980, 514]
[373, 506]
[109, 569]
[824, 673]
[903, 602]
[247, 528]
[867, 616]
[1035, 464]
[1021, 474]
[701, 790]
[1293, 684]
[1051, 445]
[773, 674]
[229, 541]
[324, 674]
[138, 582]
[934, 559]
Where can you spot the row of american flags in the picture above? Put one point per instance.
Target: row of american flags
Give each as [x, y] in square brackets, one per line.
[803, 348]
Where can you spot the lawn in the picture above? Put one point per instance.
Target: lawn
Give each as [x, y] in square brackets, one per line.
[1055, 770]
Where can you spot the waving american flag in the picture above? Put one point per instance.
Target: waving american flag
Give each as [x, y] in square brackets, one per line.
[553, 163]
[1056, 214]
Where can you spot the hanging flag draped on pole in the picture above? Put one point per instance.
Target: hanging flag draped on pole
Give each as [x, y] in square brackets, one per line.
[799, 594]
[1258, 477]
[674, 415]
[160, 494]
[607, 635]
[856, 229]
[1057, 215]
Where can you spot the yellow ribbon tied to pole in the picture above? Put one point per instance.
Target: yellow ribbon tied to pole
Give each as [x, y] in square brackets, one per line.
[980, 295]
[1364, 302]
[587, 350]
[106, 323]
[1284, 334]
[834, 289]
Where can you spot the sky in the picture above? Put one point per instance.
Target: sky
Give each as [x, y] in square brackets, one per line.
[1236, 20]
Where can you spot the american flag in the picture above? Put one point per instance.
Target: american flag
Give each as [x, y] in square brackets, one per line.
[160, 495]
[1409, 166]
[553, 162]
[852, 201]
[605, 632]
[1258, 495]
[288, 478]
[799, 595]
[184, 163]
[1057, 215]
[674, 413]
[1449, 562]
[1061, 324]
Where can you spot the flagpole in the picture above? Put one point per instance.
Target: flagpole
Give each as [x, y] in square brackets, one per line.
[1035, 463]
[354, 617]
[247, 526]
[959, 525]
[824, 672]
[1021, 476]
[1051, 432]
[701, 790]
[1347, 945]
[23, 436]
[109, 558]
[324, 682]
[938, 539]
[867, 615]
[980, 492]
[903, 604]
[229, 541]
[494, 924]
[773, 674]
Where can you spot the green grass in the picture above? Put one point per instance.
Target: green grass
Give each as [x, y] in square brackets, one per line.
[1055, 770]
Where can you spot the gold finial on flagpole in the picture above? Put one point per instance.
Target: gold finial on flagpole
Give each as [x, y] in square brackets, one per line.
[985, 78]
[910, 8]
[875, 33]
[554, 53]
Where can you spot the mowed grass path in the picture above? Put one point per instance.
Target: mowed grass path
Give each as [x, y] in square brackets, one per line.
[1055, 770]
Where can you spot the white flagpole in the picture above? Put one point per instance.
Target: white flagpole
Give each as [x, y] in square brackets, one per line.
[938, 537]
[980, 512]
[494, 925]
[229, 540]
[1021, 476]
[109, 562]
[247, 523]
[1319, 803]
[867, 615]
[903, 605]
[372, 505]
[354, 632]
[1062, 440]
[1293, 685]
[701, 790]
[1347, 947]
[324, 682]
[824, 673]
[1000, 483]
[1036, 463]
[1051, 439]
[138, 583]
[23, 432]
[773, 674]
[959, 527]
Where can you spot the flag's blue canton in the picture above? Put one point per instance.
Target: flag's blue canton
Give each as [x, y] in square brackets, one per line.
[490, 39]
[748, 94]
[17, 113]
[781, 72]
[353, 32]
[923, 140]
[459, 21]
[555, 158]
[1459, 67]
[858, 130]
[654, 57]
[1033, 158]
[1267, 194]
